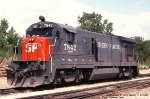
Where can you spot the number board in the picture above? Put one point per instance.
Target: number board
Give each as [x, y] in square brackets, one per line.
[44, 25]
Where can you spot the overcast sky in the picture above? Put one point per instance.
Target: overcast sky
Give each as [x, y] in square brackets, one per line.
[130, 17]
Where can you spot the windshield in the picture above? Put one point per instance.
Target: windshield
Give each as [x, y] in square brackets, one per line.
[44, 32]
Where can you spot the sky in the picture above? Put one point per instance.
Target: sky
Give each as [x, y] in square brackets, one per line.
[130, 17]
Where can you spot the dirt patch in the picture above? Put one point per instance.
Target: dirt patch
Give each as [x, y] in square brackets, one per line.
[3, 83]
[144, 71]
[3, 66]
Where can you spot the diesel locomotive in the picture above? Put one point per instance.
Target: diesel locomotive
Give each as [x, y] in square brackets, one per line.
[54, 53]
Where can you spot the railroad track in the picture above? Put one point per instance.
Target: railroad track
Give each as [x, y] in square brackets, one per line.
[102, 91]
[13, 90]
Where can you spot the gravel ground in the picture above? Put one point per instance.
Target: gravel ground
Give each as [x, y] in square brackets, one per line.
[144, 71]
[134, 93]
[130, 94]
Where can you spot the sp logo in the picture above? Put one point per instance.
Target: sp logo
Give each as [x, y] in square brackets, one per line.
[31, 47]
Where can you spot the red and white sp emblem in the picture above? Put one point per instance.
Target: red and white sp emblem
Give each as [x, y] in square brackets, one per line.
[31, 47]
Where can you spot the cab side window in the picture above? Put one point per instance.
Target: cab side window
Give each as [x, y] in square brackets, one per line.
[57, 34]
[71, 37]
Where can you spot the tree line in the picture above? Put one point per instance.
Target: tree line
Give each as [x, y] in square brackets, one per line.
[142, 48]
[8, 39]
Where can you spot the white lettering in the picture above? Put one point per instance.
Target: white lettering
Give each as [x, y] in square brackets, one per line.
[116, 47]
[105, 45]
[48, 25]
[70, 48]
[31, 47]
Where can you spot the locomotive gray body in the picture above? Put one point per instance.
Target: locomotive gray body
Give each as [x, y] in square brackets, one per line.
[80, 55]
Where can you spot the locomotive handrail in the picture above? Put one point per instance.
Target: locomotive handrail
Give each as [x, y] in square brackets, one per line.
[42, 51]
[15, 50]
[51, 53]
[27, 53]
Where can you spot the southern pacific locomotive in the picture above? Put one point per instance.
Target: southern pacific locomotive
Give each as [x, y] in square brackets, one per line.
[57, 53]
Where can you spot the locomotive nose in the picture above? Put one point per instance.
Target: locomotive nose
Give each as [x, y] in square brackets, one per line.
[30, 70]
[36, 48]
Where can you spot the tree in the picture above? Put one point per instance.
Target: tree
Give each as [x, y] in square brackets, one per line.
[142, 48]
[12, 37]
[3, 33]
[146, 51]
[8, 39]
[139, 47]
[93, 22]
[3, 27]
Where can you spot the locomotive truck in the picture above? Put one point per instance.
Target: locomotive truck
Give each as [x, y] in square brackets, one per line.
[54, 53]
